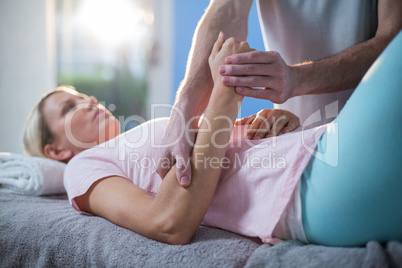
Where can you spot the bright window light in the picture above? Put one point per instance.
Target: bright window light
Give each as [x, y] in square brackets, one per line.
[111, 22]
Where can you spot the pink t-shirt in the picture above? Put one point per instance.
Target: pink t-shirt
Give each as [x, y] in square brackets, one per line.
[257, 194]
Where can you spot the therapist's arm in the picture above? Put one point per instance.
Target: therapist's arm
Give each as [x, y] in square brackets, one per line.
[346, 69]
[228, 16]
[338, 72]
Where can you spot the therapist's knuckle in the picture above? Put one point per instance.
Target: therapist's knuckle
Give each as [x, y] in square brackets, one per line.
[254, 56]
[279, 71]
[274, 55]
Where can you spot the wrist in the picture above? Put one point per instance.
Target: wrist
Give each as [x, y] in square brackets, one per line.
[299, 74]
[223, 95]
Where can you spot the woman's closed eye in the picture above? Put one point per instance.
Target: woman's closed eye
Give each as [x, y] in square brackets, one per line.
[68, 107]
[71, 104]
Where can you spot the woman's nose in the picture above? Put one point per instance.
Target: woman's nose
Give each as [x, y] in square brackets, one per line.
[93, 102]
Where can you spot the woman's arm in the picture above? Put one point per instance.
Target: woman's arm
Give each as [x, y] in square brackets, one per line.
[229, 16]
[175, 213]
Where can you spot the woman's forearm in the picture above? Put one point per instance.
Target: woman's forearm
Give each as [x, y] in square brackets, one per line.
[181, 210]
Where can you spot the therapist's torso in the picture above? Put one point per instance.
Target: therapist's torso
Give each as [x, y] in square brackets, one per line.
[305, 30]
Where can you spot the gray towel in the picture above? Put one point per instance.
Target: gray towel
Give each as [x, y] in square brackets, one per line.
[48, 232]
[297, 254]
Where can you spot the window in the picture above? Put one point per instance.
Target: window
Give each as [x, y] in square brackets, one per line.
[102, 50]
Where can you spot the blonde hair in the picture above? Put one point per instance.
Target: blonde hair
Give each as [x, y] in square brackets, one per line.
[36, 133]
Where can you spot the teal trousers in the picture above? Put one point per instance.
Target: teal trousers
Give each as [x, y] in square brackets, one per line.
[353, 193]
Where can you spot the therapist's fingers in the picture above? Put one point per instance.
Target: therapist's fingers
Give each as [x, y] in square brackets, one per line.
[251, 70]
[266, 93]
[183, 171]
[259, 57]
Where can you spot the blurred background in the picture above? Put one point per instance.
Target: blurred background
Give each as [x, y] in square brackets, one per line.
[130, 54]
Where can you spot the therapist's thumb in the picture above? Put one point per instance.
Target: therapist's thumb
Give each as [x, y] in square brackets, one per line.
[183, 171]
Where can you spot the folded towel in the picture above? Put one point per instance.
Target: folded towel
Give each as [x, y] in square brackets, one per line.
[30, 175]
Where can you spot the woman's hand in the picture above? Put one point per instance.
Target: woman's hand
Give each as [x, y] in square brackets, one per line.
[221, 50]
[269, 122]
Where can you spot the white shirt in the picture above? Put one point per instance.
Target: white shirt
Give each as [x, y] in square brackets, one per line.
[304, 30]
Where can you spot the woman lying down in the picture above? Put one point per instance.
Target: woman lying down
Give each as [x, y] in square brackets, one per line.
[269, 188]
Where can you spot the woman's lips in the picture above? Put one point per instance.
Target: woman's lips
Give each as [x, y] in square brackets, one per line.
[96, 114]
[100, 112]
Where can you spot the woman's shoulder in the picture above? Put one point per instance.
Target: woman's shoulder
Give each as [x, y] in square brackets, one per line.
[147, 133]
[157, 124]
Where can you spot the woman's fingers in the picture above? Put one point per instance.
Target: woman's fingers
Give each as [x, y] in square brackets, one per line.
[245, 120]
[285, 122]
[218, 44]
[260, 125]
[291, 126]
[279, 124]
[270, 122]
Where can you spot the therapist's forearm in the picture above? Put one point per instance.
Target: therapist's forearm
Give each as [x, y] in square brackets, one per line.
[228, 16]
[346, 69]
[339, 72]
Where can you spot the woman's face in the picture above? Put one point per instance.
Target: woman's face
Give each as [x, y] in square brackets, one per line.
[78, 122]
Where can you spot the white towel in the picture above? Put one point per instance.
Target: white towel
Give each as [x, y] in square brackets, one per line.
[29, 175]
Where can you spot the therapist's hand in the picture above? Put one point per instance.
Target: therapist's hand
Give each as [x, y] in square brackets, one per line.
[177, 143]
[259, 74]
[269, 122]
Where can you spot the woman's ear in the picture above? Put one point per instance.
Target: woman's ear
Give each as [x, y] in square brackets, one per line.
[53, 152]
